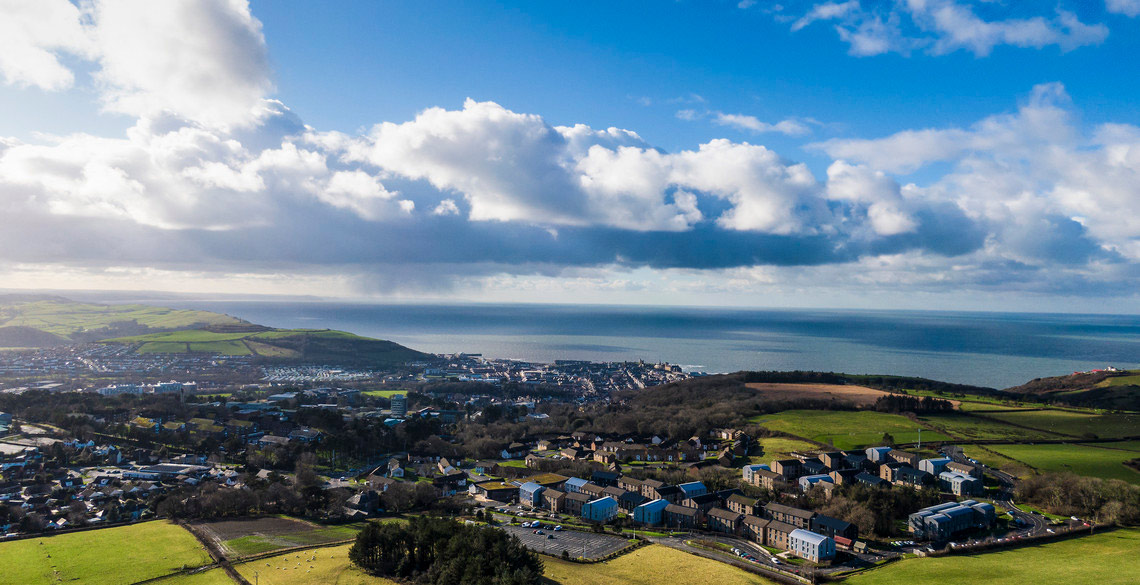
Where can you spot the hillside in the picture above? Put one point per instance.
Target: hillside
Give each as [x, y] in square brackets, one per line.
[44, 321]
[1113, 390]
[292, 345]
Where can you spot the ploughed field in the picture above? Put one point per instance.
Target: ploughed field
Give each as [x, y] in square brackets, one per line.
[858, 395]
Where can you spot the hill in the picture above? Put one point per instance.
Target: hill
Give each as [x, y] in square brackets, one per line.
[1104, 389]
[44, 321]
[286, 345]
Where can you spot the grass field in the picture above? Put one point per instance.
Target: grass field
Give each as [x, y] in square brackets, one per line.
[1133, 380]
[1103, 559]
[780, 448]
[651, 565]
[66, 318]
[250, 536]
[964, 426]
[1079, 459]
[326, 566]
[858, 395]
[110, 556]
[846, 429]
[208, 577]
[383, 393]
[1075, 424]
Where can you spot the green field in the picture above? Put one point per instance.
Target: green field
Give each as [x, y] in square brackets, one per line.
[1074, 424]
[207, 577]
[1079, 459]
[964, 426]
[1107, 558]
[111, 556]
[384, 393]
[320, 565]
[1133, 380]
[39, 321]
[309, 344]
[259, 543]
[650, 565]
[780, 448]
[846, 429]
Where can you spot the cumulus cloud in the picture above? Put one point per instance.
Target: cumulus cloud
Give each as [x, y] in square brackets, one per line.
[1125, 7]
[945, 26]
[33, 36]
[753, 124]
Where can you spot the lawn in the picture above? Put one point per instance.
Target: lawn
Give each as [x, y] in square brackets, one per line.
[1108, 558]
[964, 426]
[1087, 460]
[259, 543]
[163, 347]
[1075, 424]
[208, 577]
[650, 565]
[111, 556]
[780, 448]
[320, 565]
[221, 347]
[846, 429]
[384, 393]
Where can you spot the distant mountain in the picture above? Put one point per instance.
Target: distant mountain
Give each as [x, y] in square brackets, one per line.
[1113, 390]
[59, 320]
[285, 345]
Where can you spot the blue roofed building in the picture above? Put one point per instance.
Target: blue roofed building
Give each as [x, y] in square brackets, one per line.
[693, 489]
[574, 485]
[749, 472]
[600, 510]
[530, 493]
[650, 513]
[934, 466]
[807, 481]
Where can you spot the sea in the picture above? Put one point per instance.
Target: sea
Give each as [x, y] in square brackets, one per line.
[996, 350]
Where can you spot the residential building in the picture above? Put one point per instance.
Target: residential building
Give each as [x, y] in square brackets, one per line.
[755, 528]
[741, 504]
[574, 485]
[877, 454]
[553, 499]
[777, 533]
[629, 501]
[904, 457]
[749, 472]
[650, 513]
[573, 503]
[934, 466]
[960, 484]
[786, 514]
[811, 546]
[399, 405]
[807, 481]
[721, 520]
[530, 493]
[693, 488]
[600, 510]
[789, 468]
[834, 527]
[681, 517]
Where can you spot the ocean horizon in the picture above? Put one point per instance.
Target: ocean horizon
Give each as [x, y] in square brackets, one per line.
[987, 349]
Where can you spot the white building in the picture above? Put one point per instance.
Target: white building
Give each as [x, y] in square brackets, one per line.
[811, 546]
[399, 406]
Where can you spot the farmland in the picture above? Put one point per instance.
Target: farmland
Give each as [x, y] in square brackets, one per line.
[250, 536]
[1094, 461]
[857, 395]
[964, 426]
[780, 448]
[68, 321]
[651, 565]
[321, 565]
[1104, 559]
[846, 429]
[105, 557]
[1074, 424]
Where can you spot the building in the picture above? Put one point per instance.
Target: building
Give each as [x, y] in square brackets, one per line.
[943, 521]
[811, 546]
[530, 493]
[5, 419]
[834, 527]
[796, 517]
[834, 460]
[960, 484]
[693, 488]
[934, 466]
[966, 468]
[741, 504]
[769, 479]
[573, 503]
[912, 477]
[789, 468]
[807, 481]
[749, 472]
[904, 457]
[721, 520]
[650, 513]
[776, 534]
[755, 528]
[871, 480]
[553, 499]
[877, 454]
[629, 501]
[681, 517]
[600, 510]
[592, 489]
[399, 405]
[574, 485]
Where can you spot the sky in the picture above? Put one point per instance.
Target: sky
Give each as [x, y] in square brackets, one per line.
[920, 154]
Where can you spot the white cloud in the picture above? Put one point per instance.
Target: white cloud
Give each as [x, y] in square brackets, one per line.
[753, 124]
[32, 36]
[446, 207]
[1125, 7]
[945, 26]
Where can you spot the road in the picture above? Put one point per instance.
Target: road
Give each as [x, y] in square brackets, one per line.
[1031, 524]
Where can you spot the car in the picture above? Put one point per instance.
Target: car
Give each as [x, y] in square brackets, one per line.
[550, 536]
[776, 562]
[539, 532]
[558, 528]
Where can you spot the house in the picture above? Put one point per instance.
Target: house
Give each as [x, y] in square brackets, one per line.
[629, 501]
[669, 492]
[553, 499]
[843, 476]
[395, 469]
[573, 503]
[871, 480]
[813, 467]
[444, 466]
[934, 466]
[912, 477]
[484, 467]
[966, 468]
[807, 481]
[632, 484]
[600, 510]
[649, 488]
[530, 493]
[776, 534]
[789, 468]
[904, 457]
[592, 489]
[741, 504]
[721, 520]
[755, 528]
[650, 513]
[494, 490]
[703, 503]
[834, 527]
[811, 546]
[788, 515]
[877, 454]
[533, 461]
[574, 453]
[574, 485]
[834, 460]
[748, 472]
[681, 517]
[514, 451]
[693, 488]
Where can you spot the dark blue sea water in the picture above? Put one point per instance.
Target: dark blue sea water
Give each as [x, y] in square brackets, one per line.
[988, 349]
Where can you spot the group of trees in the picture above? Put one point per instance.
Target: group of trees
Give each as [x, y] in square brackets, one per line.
[440, 551]
[873, 510]
[896, 403]
[1067, 494]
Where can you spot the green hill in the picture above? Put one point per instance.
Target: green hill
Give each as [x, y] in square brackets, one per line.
[287, 345]
[44, 321]
[1112, 390]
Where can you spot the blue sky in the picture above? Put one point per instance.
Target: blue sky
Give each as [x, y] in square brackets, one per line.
[923, 153]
